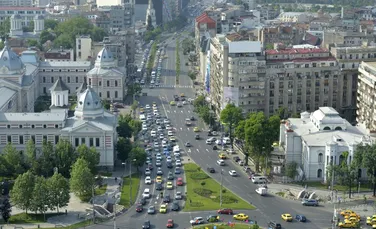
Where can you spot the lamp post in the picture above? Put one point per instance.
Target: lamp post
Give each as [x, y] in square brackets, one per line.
[130, 181]
[220, 192]
[117, 199]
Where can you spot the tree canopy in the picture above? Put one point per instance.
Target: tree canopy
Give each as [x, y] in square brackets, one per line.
[82, 180]
[230, 117]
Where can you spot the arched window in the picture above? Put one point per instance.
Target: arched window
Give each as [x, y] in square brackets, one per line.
[320, 158]
[319, 173]
[338, 128]
[327, 128]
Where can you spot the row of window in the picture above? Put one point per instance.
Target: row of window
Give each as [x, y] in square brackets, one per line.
[34, 126]
[108, 84]
[95, 142]
[52, 79]
[63, 70]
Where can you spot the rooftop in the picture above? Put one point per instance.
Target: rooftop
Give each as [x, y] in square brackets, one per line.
[296, 51]
[245, 47]
[65, 64]
[6, 94]
[33, 117]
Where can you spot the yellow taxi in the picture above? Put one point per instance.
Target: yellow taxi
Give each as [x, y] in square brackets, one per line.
[222, 156]
[371, 220]
[182, 95]
[353, 217]
[169, 185]
[346, 224]
[172, 138]
[286, 217]
[163, 208]
[196, 129]
[241, 216]
[172, 103]
[346, 212]
[158, 179]
[142, 111]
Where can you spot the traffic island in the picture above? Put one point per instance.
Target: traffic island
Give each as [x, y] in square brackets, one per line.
[125, 197]
[203, 192]
[228, 226]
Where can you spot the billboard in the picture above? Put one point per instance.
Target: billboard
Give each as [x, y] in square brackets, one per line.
[230, 95]
[207, 74]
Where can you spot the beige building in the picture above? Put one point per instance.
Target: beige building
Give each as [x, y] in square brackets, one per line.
[349, 59]
[302, 79]
[366, 95]
[237, 74]
[83, 48]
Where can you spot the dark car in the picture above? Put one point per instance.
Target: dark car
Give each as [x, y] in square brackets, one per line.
[236, 158]
[139, 208]
[146, 225]
[212, 218]
[197, 137]
[187, 144]
[177, 171]
[142, 201]
[166, 199]
[169, 165]
[170, 176]
[210, 133]
[159, 187]
[215, 147]
[301, 218]
[193, 118]
[274, 225]
[226, 211]
[175, 206]
[210, 170]
[150, 167]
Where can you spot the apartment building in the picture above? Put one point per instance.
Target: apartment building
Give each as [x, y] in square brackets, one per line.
[288, 35]
[349, 39]
[115, 18]
[237, 74]
[302, 79]
[83, 48]
[349, 59]
[366, 95]
[27, 14]
[204, 24]
[16, 3]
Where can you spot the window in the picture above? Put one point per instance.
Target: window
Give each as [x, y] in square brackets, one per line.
[97, 142]
[100, 83]
[33, 138]
[20, 126]
[116, 83]
[45, 126]
[82, 140]
[91, 142]
[44, 137]
[116, 94]
[319, 173]
[108, 83]
[327, 128]
[76, 142]
[56, 139]
[338, 128]
[9, 139]
[108, 94]
[320, 158]
[52, 79]
[44, 90]
[32, 126]
[359, 173]
[76, 79]
[56, 126]
[68, 79]
[21, 139]
[8, 126]
[44, 79]
[100, 94]
[89, 81]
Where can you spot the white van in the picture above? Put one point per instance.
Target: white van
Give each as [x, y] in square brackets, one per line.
[176, 149]
[259, 180]
[142, 117]
[146, 193]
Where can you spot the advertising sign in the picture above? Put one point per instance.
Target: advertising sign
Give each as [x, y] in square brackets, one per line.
[230, 95]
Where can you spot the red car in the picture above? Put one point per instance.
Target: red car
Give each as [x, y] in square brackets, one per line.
[139, 208]
[170, 223]
[226, 211]
[179, 181]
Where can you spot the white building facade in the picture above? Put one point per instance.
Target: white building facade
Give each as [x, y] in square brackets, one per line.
[318, 139]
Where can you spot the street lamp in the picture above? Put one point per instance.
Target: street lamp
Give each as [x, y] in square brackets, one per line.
[130, 181]
[117, 199]
[220, 192]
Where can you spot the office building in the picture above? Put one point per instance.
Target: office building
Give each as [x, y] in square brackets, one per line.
[83, 48]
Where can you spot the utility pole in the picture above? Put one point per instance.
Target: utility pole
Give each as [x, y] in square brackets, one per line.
[130, 183]
[115, 214]
[92, 201]
[220, 192]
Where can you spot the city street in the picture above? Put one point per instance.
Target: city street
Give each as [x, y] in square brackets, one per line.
[268, 208]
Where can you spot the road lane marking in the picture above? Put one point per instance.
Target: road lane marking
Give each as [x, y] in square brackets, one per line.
[168, 111]
[163, 107]
[207, 150]
[198, 150]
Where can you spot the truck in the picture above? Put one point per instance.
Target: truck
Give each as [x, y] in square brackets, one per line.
[262, 191]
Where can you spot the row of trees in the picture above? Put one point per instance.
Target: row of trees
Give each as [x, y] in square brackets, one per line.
[188, 45]
[177, 60]
[203, 109]
[173, 25]
[43, 161]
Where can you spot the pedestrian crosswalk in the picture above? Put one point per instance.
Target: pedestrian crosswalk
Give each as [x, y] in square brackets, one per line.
[168, 86]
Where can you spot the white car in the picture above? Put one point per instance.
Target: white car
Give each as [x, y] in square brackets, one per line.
[155, 113]
[144, 127]
[147, 106]
[178, 163]
[232, 173]
[221, 162]
[160, 129]
[179, 105]
[156, 144]
[168, 127]
[166, 121]
[158, 156]
[209, 141]
[147, 171]
[153, 133]
[184, 102]
[161, 136]
[147, 180]
[177, 154]
[169, 133]
[169, 159]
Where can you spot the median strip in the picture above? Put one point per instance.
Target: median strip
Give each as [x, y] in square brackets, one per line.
[203, 192]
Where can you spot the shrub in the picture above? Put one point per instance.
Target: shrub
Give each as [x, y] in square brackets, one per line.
[226, 199]
[203, 183]
[203, 192]
[199, 176]
[223, 190]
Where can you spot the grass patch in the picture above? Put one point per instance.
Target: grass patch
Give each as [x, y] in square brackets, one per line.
[341, 188]
[124, 199]
[31, 218]
[226, 226]
[281, 194]
[204, 196]
[101, 190]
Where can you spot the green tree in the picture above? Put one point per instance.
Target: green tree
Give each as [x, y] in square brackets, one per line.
[65, 156]
[367, 155]
[46, 36]
[230, 117]
[30, 153]
[40, 200]
[199, 102]
[106, 104]
[58, 191]
[206, 115]
[46, 160]
[32, 42]
[134, 89]
[260, 132]
[22, 192]
[123, 148]
[6, 169]
[290, 170]
[5, 28]
[1, 45]
[50, 24]
[64, 40]
[14, 158]
[136, 126]
[29, 27]
[138, 156]
[124, 130]
[346, 173]
[82, 180]
[90, 155]
[97, 34]
[5, 209]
